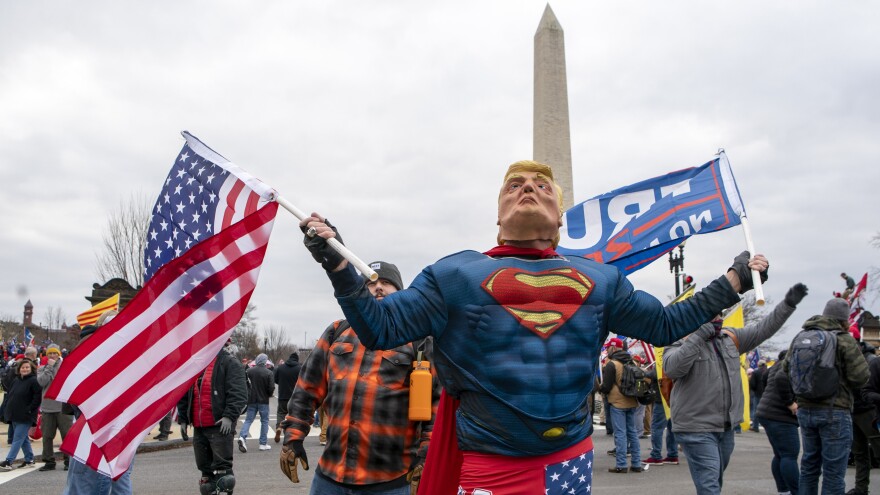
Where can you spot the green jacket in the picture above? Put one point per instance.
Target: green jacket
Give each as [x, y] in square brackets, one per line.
[851, 365]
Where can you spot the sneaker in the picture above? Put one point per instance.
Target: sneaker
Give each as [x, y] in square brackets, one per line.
[639, 469]
[277, 435]
[266, 447]
[6, 466]
[161, 438]
[241, 445]
[26, 464]
[653, 460]
[617, 470]
[323, 442]
[47, 467]
[671, 460]
[612, 452]
[856, 491]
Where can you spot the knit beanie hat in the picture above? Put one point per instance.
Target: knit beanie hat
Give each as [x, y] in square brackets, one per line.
[53, 347]
[838, 309]
[389, 272]
[261, 360]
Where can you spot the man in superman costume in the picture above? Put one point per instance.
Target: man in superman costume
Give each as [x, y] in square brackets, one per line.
[517, 333]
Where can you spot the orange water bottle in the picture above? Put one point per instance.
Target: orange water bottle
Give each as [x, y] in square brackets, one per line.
[420, 391]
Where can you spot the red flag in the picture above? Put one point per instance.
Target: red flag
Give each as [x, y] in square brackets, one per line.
[855, 299]
[136, 367]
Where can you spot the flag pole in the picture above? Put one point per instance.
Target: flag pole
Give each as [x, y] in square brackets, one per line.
[336, 245]
[750, 245]
[744, 221]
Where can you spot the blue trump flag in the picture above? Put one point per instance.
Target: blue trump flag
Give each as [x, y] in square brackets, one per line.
[632, 226]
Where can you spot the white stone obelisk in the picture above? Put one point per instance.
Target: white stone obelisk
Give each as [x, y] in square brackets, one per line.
[551, 133]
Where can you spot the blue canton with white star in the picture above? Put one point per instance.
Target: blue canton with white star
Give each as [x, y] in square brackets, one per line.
[184, 212]
[571, 477]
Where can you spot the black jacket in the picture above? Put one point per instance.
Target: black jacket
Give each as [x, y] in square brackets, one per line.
[23, 400]
[871, 391]
[262, 386]
[286, 376]
[758, 380]
[229, 392]
[777, 397]
[860, 402]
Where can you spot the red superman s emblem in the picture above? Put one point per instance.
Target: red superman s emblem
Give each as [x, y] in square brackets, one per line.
[540, 301]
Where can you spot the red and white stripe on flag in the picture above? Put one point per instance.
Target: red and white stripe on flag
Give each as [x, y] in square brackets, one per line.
[641, 348]
[856, 299]
[130, 373]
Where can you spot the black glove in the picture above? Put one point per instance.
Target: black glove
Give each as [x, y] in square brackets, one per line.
[225, 426]
[796, 294]
[292, 452]
[741, 267]
[705, 332]
[183, 434]
[321, 251]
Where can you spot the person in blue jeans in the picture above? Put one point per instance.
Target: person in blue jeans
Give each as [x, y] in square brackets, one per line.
[621, 410]
[777, 412]
[826, 424]
[707, 400]
[660, 424]
[262, 387]
[22, 405]
[81, 479]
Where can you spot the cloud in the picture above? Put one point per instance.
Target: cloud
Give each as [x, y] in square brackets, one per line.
[397, 121]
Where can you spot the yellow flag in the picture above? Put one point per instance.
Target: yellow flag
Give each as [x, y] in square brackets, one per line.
[91, 315]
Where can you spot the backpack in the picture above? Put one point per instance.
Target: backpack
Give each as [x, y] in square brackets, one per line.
[812, 364]
[634, 383]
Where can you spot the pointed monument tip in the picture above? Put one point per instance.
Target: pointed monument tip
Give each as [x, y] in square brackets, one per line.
[548, 20]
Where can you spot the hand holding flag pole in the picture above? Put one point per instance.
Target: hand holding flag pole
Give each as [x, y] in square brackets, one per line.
[332, 242]
[750, 245]
[727, 172]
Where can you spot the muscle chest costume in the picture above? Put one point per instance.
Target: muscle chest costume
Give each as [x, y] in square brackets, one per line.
[517, 340]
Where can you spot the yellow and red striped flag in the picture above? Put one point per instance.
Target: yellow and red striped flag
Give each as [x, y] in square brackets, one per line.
[91, 315]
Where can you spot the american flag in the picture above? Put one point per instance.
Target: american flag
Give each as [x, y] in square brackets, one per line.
[641, 348]
[571, 477]
[208, 236]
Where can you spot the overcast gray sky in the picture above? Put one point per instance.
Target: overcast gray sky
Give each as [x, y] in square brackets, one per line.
[397, 119]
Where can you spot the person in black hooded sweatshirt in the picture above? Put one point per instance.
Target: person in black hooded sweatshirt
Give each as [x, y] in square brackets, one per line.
[285, 378]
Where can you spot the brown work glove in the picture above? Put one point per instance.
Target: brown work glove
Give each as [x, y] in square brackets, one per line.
[291, 452]
[414, 477]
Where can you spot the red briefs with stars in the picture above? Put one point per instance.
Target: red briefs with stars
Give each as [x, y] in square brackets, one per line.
[568, 471]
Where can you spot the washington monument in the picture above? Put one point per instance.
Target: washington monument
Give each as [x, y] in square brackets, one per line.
[551, 135]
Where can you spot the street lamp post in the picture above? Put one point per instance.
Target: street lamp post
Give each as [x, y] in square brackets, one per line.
[676, 266]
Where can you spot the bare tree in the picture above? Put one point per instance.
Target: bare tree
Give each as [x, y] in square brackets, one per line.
[54, 318]
[752, 313]
[125, 239]
[247, 340]
[277, 344]
[245, 336]
[10, 328]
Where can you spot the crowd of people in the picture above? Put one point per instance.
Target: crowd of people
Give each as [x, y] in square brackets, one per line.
[464, 381]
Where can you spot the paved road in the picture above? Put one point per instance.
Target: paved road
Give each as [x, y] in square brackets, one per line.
[173, 471]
